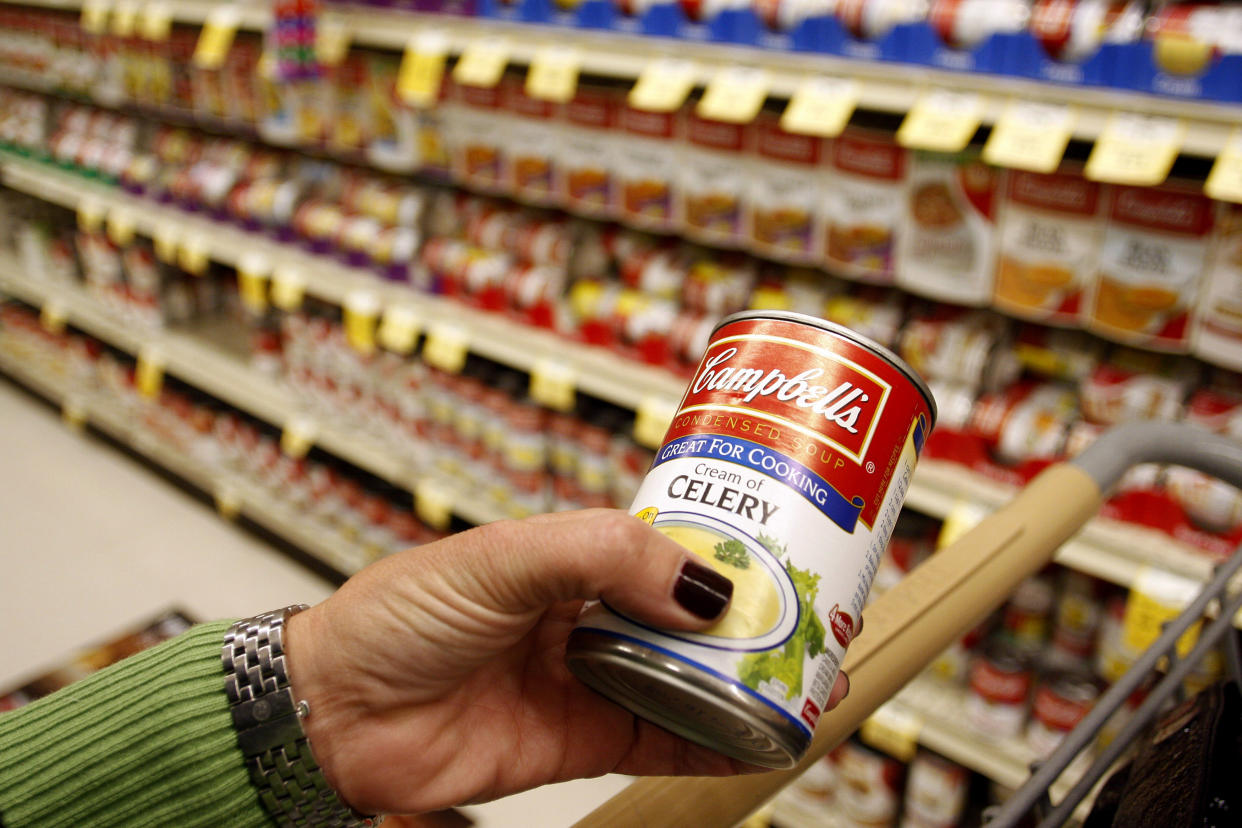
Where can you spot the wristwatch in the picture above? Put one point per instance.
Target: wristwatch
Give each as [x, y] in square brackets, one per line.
[268, 722]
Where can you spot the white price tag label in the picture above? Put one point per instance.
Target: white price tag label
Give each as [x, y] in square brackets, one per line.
[362, 308]
[553, 74]
[446, 347]
[1135, 149]
[482, 63]
[1224, 183]
[941, 121]
[288, 288]
[734, 95]
[298, 436]
[652, 420]
[552, 384]
[422, 69]
[433, 504]
[1031, 136]
[399, 329]
[53, 316]
[149, 372]
[663, 85]
[894, 730]
[821, 107]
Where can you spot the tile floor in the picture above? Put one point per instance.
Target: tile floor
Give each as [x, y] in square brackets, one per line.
[92, 542]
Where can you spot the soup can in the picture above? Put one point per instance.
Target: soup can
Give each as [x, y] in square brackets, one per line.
[784, 468]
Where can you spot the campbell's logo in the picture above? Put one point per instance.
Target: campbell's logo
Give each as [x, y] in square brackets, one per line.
[590, 110]
[1162, 210]
[874, 159]
[775, 142]
[657, 124]
[842, 624]
[1063, 193]
[715, 134]
[831, 398]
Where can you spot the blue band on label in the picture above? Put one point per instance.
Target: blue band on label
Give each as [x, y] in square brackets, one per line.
[920, 434]
[835, 506]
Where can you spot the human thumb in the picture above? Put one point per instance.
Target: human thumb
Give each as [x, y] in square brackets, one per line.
[526, 566]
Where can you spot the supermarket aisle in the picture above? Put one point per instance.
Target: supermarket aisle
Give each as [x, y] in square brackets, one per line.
[94, 543]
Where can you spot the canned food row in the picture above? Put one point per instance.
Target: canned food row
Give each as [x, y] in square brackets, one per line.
[338, 500]
[1153, 267]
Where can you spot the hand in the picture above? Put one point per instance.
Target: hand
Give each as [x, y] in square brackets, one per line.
[436, 677]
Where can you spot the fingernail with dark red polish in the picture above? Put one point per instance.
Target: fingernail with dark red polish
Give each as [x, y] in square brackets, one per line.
[702, 590]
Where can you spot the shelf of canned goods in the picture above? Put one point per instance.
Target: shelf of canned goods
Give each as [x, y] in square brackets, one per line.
[233, 494]
[877, 84]
[1107, 549]
[201, 365]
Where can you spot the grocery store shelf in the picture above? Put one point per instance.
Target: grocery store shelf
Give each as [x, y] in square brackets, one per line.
[882, 86]
[596, 371]
[1107, 549]
[111, 419]
[218, 374]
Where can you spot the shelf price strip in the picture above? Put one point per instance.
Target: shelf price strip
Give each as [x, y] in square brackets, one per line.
[1135, 149]
[552, 384]
[1030, 136]
[288, 288]
[734, 95]
[432, 504]
[399, 329]
[446, 347]
[663, 85]
[894, 730]
[651, 421]
[941, 121]
[297, 437]
[422, 69]
[821, 107]
[1224, 183]
[553, 74]
[482, 63]
[361, 315]
[216, 37]
[149, 373]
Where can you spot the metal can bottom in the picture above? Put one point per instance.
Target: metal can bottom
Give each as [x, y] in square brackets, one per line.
[690, 703]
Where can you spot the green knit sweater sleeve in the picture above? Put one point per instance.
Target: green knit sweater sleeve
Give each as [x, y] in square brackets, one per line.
[146, 742]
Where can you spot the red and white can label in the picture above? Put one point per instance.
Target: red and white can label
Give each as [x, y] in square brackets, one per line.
[784, 469]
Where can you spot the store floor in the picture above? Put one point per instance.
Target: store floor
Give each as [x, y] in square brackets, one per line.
[92, 543]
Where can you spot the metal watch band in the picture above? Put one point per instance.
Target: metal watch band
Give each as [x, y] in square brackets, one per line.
[267, 719]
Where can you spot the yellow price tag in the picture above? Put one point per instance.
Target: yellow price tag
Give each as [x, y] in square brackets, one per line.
[552, 384]
[821, 107]
[432, 504]
[399, 329]
[663, 85]
[446, 347]
[124, 18]
[95, 16]
[941, 121]
[149, 372]
[288, 288]
[193, 257]
[553, 74]
[482, 63]
[165, 239]
[1224, 183]
[252, 276]
[228, 502]
[1031, 136]
[74, 412]
[1135, 149]
[216, 38]
[53, 316]
[894, 730]
[155, 22]
[361, 313]
[734, 95]
[422, 69]
[332, 40]
[962, 517]
[652, 420]
[1156, 598]
[648, 515]
[298, 436]
[121, 228]
[90, 216]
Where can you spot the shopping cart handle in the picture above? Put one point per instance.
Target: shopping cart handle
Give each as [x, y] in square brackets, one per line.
[931, 608]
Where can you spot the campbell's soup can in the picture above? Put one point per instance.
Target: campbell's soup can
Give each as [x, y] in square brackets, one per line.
[784, 468]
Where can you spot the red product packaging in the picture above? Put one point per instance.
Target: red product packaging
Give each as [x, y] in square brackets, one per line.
[648, 167]
[863, 205]
[587, 158]
[714, 179]
[786, 192]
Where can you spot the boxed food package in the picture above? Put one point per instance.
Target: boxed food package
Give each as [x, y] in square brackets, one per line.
[1151, 265]
[1050, 231]
[863, 205]
[947, 242]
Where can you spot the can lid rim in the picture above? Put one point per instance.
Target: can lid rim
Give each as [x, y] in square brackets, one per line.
[832, 327]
